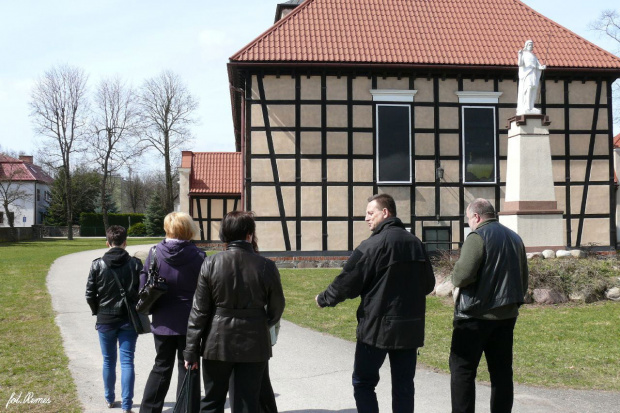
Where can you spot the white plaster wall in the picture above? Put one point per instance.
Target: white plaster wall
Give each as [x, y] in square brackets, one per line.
[22, 208]
[537, 230]
[529, 175]
[184, 190]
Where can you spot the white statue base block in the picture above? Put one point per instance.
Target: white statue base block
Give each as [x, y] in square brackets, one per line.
[530, 207]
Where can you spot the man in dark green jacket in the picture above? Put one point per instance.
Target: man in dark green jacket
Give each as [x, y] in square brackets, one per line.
[392, 274]
[492, 278]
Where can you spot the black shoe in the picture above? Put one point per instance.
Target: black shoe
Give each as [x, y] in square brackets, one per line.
[109, 404]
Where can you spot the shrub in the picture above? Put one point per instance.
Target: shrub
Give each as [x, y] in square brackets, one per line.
[137, 230]
[589, 277]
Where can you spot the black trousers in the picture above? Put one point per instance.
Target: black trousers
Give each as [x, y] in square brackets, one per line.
[266, 398]
[169, 349]
[247, 383]
[368, 361]
[471, 338]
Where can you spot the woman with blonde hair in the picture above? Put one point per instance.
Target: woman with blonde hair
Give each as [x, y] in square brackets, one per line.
[179, 262]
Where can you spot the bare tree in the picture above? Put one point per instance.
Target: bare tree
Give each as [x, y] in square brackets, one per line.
[167, 109]
[137, 192]
[608, 23]
[11, 190]
[59, 113]
[114, 140]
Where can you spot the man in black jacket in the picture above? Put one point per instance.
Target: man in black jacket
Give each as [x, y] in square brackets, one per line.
[492, 276]
[392, 274]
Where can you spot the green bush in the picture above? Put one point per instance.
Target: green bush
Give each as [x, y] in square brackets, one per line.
[589, 276]
[137, 230]
[91, 223]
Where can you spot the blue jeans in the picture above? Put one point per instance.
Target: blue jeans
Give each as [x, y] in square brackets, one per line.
[127, 345]
[368, 361]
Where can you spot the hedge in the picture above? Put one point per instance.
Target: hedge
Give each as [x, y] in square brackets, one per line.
[91, 224]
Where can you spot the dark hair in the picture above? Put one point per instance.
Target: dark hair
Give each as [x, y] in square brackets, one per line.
[482, 207]
[385, 201]
[116, 235]
[236, 225]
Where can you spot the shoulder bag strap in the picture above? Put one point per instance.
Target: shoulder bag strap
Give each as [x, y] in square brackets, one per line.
[153, 266]
[118, 282]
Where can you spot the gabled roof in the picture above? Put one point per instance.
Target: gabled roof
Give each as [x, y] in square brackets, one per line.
[421, 32]
[18, 170]
[617, 141]
[215, 173]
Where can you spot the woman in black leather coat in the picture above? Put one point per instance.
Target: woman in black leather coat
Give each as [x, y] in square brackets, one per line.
[239, 296]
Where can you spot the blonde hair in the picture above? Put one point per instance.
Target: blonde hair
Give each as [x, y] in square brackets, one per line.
[180, 225]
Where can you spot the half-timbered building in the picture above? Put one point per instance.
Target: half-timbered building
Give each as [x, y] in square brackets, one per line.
[210, 187]
[342, 99]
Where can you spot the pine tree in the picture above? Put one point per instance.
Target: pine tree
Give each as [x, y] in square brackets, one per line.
[154, 217]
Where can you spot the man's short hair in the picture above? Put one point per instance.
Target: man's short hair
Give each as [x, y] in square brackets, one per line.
[482, 207]
[236, 225]
[385, 201]
[180, 225]
[116, 235]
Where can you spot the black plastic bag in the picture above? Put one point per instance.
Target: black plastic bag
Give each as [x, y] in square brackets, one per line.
[184, 398]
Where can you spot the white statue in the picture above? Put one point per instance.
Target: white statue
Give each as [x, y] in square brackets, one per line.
[530, 70]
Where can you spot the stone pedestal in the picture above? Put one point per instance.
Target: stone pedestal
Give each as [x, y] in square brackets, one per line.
[530, 207]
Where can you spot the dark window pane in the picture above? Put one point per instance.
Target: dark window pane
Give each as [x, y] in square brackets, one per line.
[393, 136]
[432, 237]
[479, 149]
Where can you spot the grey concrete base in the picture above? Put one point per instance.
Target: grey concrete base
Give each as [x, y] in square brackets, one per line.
[310, 371]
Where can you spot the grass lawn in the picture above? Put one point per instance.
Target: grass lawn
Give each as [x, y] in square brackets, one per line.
[31, 353]
[574, 346]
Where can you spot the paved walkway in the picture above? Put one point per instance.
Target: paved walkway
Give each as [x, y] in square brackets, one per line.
[310, 371]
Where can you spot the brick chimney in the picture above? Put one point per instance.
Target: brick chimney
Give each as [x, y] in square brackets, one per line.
[26, 158]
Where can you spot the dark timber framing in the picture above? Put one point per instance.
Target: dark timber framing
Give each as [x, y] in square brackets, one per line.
[204, 220]
[437, 129]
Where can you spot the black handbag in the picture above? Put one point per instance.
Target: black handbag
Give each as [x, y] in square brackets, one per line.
[140, 322]
[154, 288]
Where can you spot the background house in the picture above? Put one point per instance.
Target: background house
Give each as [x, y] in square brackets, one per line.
[34, 186]
[342, 99]
[210, 187]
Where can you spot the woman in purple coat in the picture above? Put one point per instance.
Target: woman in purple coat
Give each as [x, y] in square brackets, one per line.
[179, 262]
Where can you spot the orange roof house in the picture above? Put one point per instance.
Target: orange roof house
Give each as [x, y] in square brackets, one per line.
[311, 95]
[210, 185]
[23, 176]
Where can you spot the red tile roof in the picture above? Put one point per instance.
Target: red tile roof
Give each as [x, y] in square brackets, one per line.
[18, 170]
[215, 173]
[617, 141]
[429, 32]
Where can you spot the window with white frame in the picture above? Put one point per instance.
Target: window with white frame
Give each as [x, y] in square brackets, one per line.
[393, 143]
[479, 147]
[393, 134]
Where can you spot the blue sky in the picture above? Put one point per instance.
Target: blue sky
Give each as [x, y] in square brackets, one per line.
[138, 39]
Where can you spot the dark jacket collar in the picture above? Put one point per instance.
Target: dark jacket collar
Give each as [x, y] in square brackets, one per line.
[389, 222]
[240, 244]
[485, 222]
[115, 257]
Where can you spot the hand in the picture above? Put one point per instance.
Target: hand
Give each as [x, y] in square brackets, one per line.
[194, 365]
[543, 67]
[317, 301]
